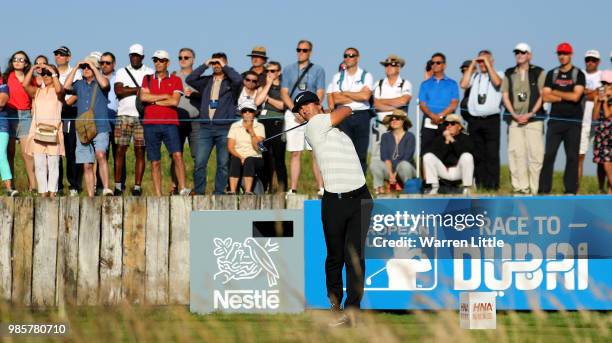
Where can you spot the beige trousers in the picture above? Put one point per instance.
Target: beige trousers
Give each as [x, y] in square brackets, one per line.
[525, 155]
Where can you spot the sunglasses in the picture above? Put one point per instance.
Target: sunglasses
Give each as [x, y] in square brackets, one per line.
[19, 59]
[247, 110]
[185, 58]
[563, 54]
[392, 64]
[105, 63]
[519, 52]
[61, 54]
[437, 62]
[272, 70]
[302, 50]
[452, 123]
[45, 72]
[396, 119]
[160, 60]
[251, 80]
[591, 59]
[350, 55]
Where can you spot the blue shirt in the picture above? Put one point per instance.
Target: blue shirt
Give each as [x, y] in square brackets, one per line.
[3, 121]
[405, 148]
[437, 94]
[312, 81]
[84, 93]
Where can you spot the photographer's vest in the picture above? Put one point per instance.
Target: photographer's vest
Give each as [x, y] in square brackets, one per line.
[534, 92]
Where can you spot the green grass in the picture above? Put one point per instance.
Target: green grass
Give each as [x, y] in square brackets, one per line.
[176, 324]
[307, 183]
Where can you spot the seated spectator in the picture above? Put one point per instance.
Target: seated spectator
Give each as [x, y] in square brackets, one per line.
[162, 93]
[45, 141]
[397, 147]
[450, 156]
[92, 93]
[5, 169]
[602, 111]
[242, 143]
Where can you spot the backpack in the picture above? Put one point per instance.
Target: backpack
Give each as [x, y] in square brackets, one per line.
[341, 79]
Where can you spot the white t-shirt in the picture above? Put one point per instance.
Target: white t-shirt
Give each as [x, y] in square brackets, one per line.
[127, 105]
[62, 79]
[335, 154]
[352, 83]
[481, 84]
[388, 91]
[593, 81]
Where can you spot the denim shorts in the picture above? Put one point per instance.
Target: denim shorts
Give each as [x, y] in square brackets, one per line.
[19, 122]
[86, 153]
[155, 134]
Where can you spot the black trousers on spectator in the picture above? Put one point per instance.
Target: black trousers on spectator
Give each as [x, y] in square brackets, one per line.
[112, 150]
[427, 136]
[274, 158]
[357, 127]
[485, 134]
[251, 167]
[345, 227]
[569, 134]
[74, 171]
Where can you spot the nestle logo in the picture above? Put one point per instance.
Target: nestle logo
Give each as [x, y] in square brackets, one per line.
[247, 299]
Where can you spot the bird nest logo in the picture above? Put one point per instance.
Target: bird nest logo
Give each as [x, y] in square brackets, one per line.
[245, 260]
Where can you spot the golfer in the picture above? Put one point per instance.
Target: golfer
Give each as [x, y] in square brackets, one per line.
[344, 215]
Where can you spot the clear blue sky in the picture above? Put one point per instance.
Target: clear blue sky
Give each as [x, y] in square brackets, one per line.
[413, 30]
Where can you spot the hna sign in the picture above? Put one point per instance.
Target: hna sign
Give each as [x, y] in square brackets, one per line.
[477, 310]
[527, 269]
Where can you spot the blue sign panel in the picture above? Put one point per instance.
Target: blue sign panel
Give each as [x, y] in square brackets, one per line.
[534, 252]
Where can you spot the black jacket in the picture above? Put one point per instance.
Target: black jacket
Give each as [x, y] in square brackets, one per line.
[226, 111]
[449, 153]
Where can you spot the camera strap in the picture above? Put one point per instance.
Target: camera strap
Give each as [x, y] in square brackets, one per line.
[300, 78]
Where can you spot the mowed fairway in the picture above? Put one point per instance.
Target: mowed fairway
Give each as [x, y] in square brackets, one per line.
[176, 324]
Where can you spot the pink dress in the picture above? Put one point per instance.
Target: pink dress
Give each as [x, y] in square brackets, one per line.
[46, 109]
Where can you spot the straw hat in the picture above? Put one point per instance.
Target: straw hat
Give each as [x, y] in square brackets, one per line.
[397, 113]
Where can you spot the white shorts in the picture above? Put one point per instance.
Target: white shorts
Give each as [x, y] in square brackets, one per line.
[586, 139]
[295, 138]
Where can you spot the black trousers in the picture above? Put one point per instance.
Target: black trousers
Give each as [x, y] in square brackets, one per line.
[427, 137]
[345, 226]
[112, 150]
[485, 134]
[252, 166]
[274, 158]
[357, 127]
[569, 134]
[74, 171]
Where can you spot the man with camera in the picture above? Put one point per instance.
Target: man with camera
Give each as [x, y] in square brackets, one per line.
[521, 91]
[484, 108]
[217, 111]
[92, 94]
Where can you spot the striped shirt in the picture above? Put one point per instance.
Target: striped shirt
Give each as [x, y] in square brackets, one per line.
[335, 154]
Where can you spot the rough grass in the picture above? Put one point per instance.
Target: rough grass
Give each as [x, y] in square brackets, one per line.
[307, 183]
[176, 324]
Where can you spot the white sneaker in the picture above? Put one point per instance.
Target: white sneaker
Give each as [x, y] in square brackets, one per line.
[185, 191]
[107, 192]
[290, 193]
[467, 191]
[74, 193]
[321, 192]
[432, 191]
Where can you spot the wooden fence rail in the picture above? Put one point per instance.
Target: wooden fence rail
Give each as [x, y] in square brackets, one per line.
[104, 251]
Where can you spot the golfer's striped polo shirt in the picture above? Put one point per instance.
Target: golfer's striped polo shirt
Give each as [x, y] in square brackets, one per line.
[335, 154]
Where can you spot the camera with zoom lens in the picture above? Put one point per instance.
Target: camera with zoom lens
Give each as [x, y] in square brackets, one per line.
[522, 96]
[482, 98]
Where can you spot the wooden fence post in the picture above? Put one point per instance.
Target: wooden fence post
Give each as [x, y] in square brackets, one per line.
[89, 251]
[67, 251]
[46, 221]
[156, 252]
[178, 275]
[111, 250]
[23, 240]
[6, 230]
[134, 220]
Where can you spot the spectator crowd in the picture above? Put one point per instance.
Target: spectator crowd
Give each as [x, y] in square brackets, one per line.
[71, 116]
